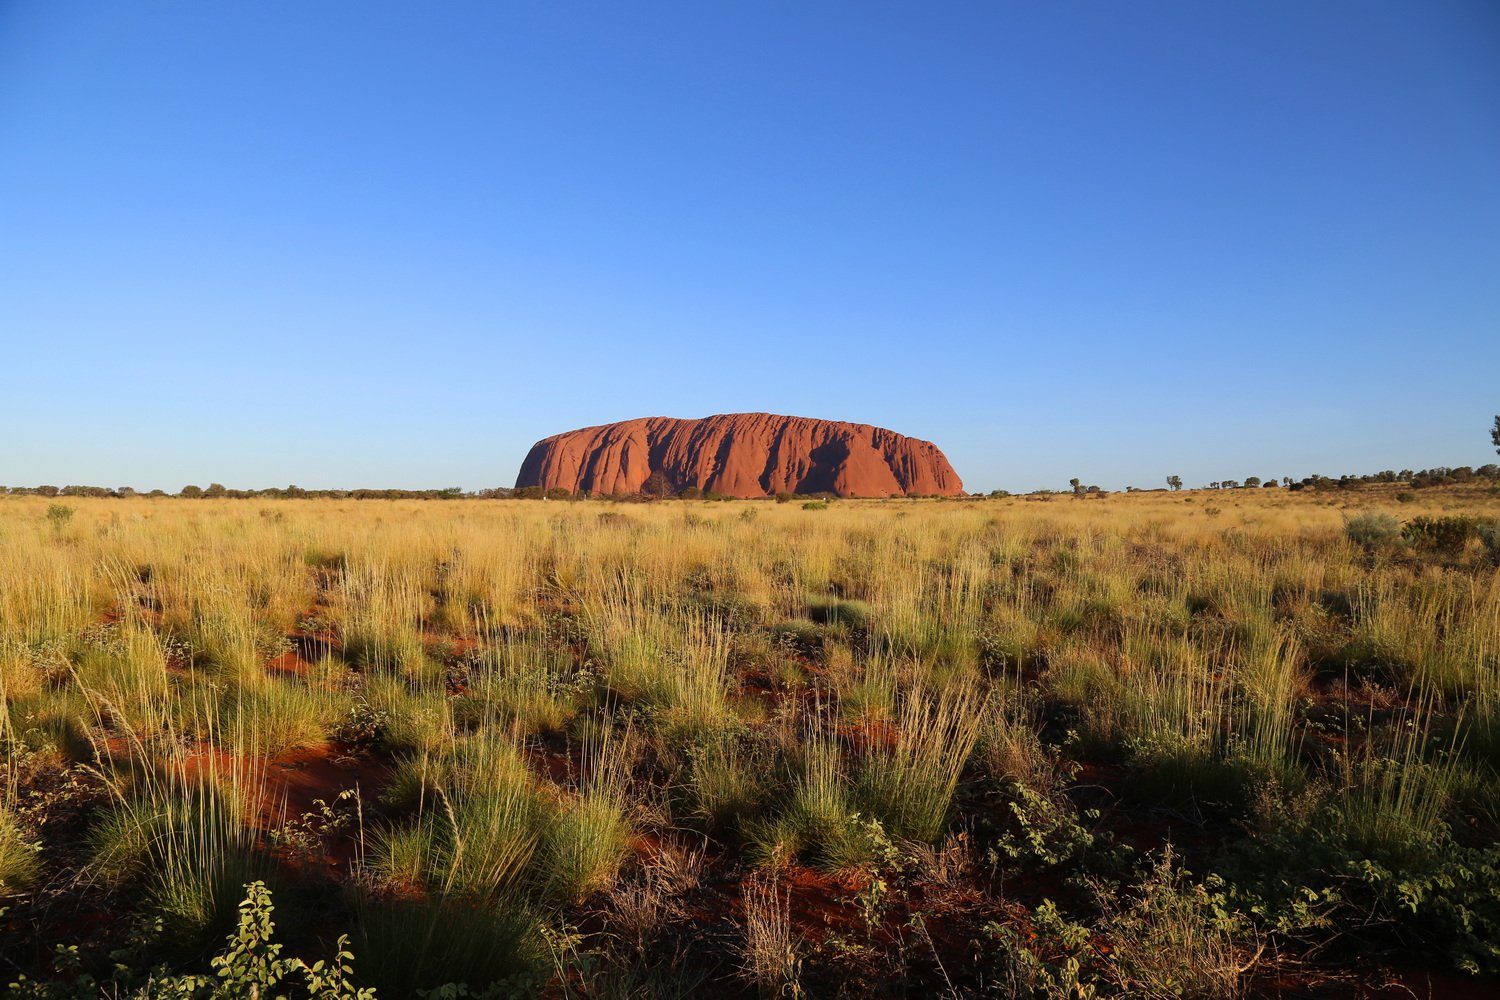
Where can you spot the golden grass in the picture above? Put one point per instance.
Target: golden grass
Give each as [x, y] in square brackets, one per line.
[807, 681]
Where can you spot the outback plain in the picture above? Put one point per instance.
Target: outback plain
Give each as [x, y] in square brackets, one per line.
[1211, 743]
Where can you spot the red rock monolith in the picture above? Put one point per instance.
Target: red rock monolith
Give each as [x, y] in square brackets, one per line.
[741, 455]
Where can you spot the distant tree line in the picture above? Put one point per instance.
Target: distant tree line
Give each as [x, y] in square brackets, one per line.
[654, 489]
[216, 490]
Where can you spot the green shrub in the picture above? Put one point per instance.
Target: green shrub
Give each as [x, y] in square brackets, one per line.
[1174, 937]
[1373, 531]
[1489, 534]
[853, 614]
[1447, 536]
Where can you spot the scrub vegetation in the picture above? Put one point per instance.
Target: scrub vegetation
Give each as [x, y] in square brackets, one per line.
[1145, 745]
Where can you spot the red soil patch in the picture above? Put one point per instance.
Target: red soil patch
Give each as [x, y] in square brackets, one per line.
[862, 737]
[289, 664]
[296, 781]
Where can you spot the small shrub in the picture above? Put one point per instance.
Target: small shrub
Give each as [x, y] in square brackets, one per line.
[854, 614]
[1489, 535]
[815, 505]
[1373, 531]
[1447, 536]
[59, 514]
[1174, 937]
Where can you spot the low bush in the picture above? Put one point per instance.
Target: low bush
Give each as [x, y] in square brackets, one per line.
[1374, 531]
[852, 614]
[1447, 536]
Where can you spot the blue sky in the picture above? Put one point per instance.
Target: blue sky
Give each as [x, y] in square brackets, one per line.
[393, 244]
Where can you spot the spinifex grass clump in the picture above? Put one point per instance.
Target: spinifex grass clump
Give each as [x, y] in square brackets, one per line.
[408, 946]
[588, 837]
[906, 781]
[179, 837]
[818, 822]
[18, 859]
[478, 817]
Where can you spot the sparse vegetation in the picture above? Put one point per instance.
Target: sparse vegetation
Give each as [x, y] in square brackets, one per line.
[980, 747]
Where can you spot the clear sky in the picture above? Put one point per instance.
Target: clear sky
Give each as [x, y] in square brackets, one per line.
[362, 243]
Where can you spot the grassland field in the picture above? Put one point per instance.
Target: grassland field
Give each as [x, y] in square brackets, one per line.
[1201, 744]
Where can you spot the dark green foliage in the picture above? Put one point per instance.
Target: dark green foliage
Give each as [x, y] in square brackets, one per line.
[406, 947]
[1447, 536]
[851, 614]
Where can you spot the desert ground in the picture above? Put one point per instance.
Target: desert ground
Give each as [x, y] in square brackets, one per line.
[1208, 743]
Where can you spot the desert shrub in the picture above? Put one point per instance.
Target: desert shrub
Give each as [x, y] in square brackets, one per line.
[1174, 937]
[1377, 860]
[1046, 830]
[1489, 534]
[1373, 531]
[1051, 959]
[852, 614]
[1447, 536]
[803, 637]
[815, 505]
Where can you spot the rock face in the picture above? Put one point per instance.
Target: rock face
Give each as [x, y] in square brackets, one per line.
[741, 455]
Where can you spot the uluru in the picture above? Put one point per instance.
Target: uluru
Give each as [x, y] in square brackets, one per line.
[740, 455]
